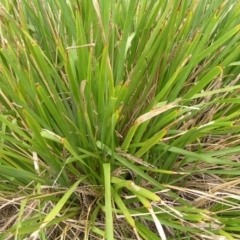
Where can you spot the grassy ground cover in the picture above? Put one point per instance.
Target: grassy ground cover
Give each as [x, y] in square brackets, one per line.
[119, 119]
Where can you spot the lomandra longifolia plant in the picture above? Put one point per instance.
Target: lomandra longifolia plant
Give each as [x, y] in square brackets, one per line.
[119, 119]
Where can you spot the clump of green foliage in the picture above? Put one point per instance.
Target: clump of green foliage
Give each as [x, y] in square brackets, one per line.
[119, 119]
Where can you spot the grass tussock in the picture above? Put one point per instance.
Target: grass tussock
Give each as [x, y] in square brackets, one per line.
[119, 119]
